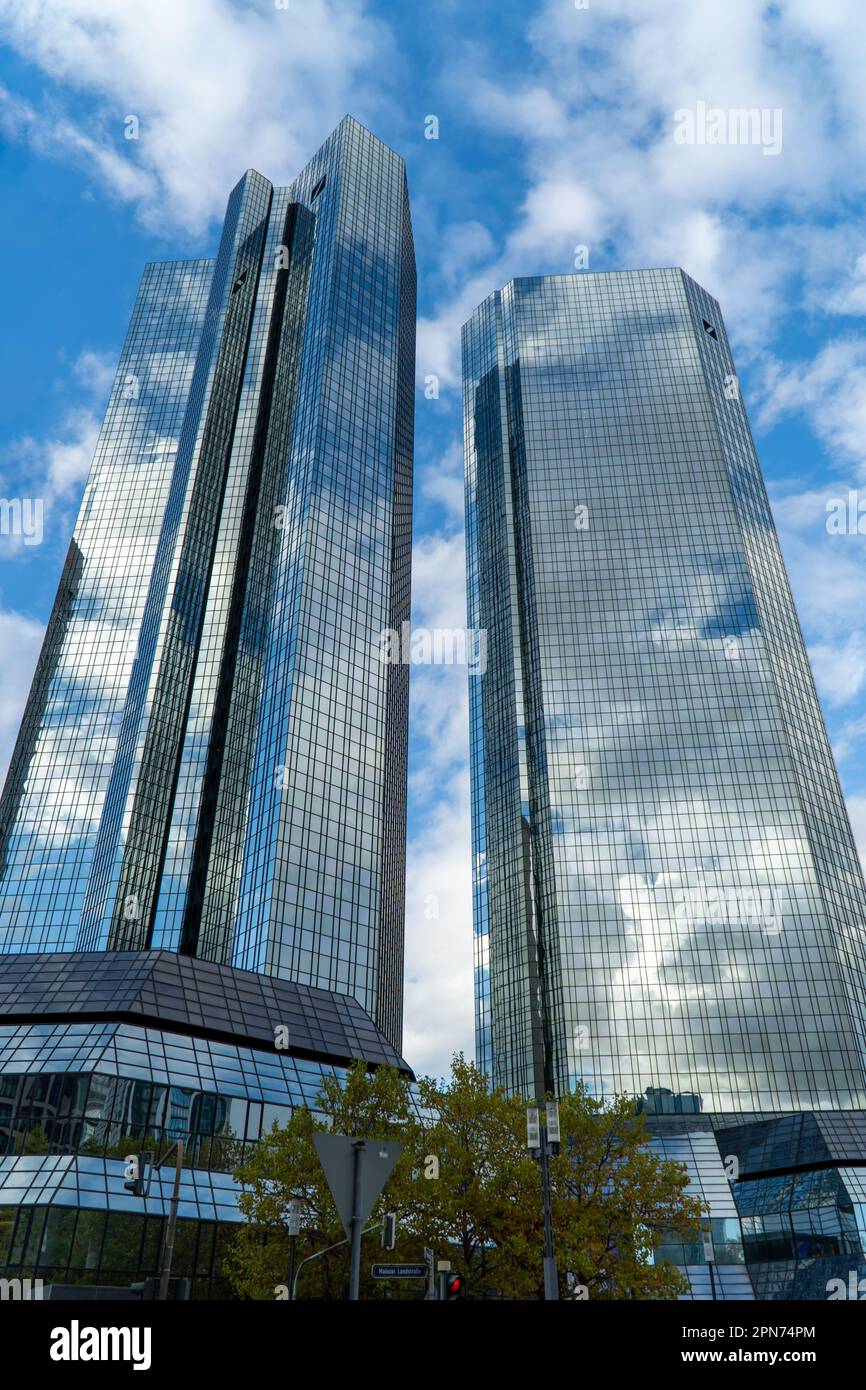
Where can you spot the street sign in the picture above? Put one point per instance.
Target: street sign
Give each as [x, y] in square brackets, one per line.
[295, 1213]
[400, 1271]
[552, 1109]
[337, 1157]
[533, 1128]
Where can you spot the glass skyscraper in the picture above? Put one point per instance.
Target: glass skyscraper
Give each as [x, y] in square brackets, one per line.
[667, 897]
[667, 891]
[202, 763]
[209, 784]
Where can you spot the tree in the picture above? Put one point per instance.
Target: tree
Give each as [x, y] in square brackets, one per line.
[481, 1209]
[467, 1187]
[613, 1199]
[285, 1165]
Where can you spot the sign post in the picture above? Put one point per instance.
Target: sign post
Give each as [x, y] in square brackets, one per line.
[356, 1170]
[294, 1224]
[541, 1139]
[430, 1265]
[357, 1221]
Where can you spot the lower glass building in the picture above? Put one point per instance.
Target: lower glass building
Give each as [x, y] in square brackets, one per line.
[106, 1054]
[801, 1199]
[785, 1196]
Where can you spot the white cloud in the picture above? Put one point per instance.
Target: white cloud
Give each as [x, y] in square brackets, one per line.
[830, 391]
[840, 670]
[20, 641]
[53, 469]
[850, 296]
[594, 105]
[466, 244]
[68, 459]
[439, 703]
[438, 335]
[439, 979]
[828, 579]
[848, 739]
[217, 87]
[443, 483]
[52, 133]
[800, 510]
[439, 581]
[857, 814]
[96, 371]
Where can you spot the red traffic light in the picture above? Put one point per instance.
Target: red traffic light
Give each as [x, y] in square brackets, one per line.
[456, 1286]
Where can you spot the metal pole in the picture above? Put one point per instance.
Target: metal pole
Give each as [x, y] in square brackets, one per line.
[430, 1261]
[317, 1256]
[293, 1241]
[168, 1242]
[355, 1263]
[319, 1253]
[551, 1278]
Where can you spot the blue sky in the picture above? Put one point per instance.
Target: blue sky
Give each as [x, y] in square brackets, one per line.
[556, 130]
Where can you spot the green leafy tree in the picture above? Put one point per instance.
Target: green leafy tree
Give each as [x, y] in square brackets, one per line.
[466, 1187]
[284, 1165]
[475, 1194]
[613, 1199]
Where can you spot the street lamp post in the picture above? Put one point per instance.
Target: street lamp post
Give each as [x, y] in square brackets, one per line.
[710, 1256]
[294, 1223]
[168, 1242]
[543, 1140]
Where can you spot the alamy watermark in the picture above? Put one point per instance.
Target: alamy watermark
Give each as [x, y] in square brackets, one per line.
[21, 1290]
[736, 125]
[854, 1290]
[731, 907]
[22, 516]
[77, 1343]
[437, 646]
[846, 516]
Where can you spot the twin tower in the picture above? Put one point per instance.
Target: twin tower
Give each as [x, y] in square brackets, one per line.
[202, 830]
[212, 761]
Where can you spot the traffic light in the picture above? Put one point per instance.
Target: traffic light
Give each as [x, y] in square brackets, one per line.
[133, 1174]
[455, 1287]
[389, 1231]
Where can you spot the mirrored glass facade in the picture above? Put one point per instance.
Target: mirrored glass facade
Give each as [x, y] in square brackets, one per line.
[105, 1054]
[800, 1189]
[213, 756]
[666, 888]
[75, 1099]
